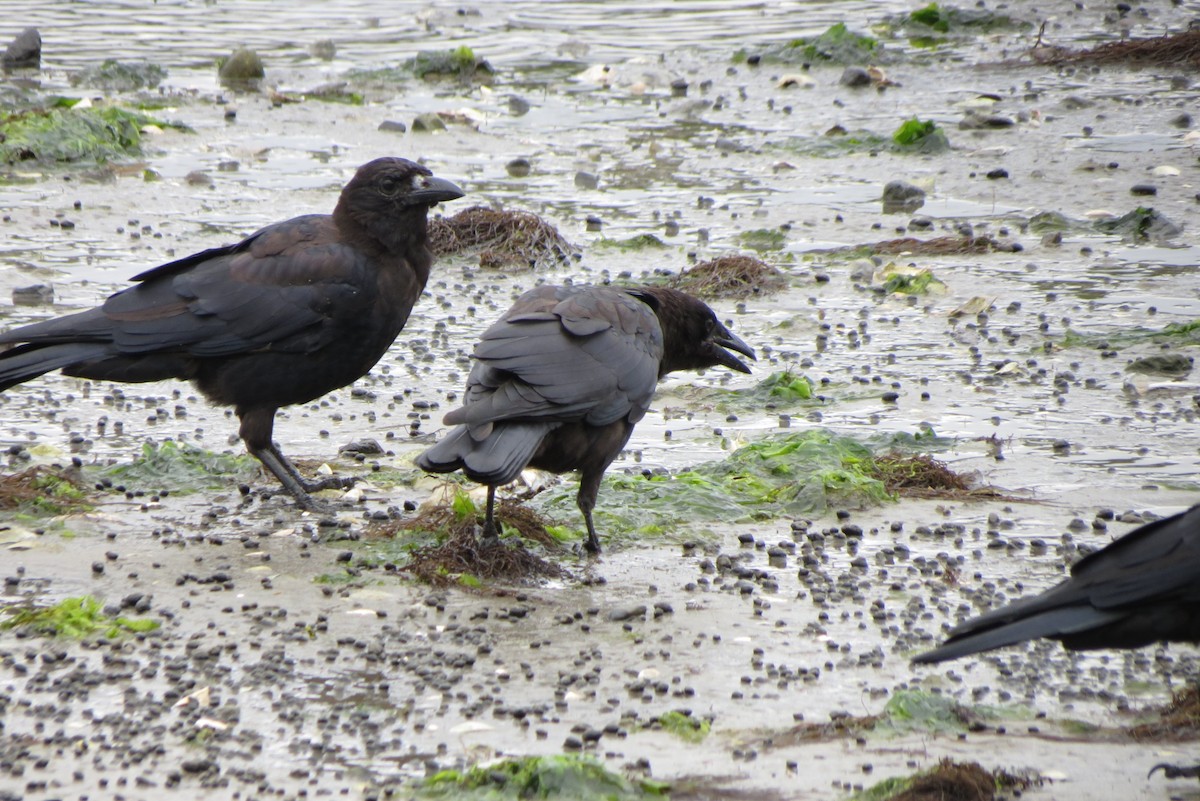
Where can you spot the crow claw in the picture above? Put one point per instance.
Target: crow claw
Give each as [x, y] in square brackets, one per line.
[1176, 771]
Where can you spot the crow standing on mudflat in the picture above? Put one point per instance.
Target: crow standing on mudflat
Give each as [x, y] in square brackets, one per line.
[295, 310]
[561, 379]
[1140, 589]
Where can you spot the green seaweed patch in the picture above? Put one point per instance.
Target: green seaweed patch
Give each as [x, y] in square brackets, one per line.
[581, 778]
[912, 136]
[337, 579]
[1186, 333]
[908, 280]
[73, 618]
[685, 726]
[57, 494]
[907, 711]
[1048, 222]
[837, 45]
[382, 78]
[786, 386]
[107, 133]
[638, 242]
[924, 439]
[838, 143]
[121, 76]
[763, 240]
[183, 468]
[938, 19]
[1140, 225]
[910, 711]
[932, 16]
[461, 63]
[1079, 728]
[792, 474]
[336, 92]
[43, 490]
[387, 477]
[779, 391]
[923, 136]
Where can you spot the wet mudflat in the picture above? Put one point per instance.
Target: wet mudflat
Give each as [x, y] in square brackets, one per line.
[296, 658]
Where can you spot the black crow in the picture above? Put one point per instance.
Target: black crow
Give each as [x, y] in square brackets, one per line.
[1140, 589]
[295, 310]
[561, 379]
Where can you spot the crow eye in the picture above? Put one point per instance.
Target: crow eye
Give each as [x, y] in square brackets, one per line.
[389, 187]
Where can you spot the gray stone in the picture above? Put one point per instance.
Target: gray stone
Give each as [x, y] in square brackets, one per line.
[25, 50]
[35, 295]
[428, 123]
[855, 77]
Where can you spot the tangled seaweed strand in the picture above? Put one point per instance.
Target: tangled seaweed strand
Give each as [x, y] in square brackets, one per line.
[34, 485]
[730, 277]
[1180, 720]
[917, 473]
[943, 246]
[962, 781]
[1181, 50]
[501, 238]
[463, 554]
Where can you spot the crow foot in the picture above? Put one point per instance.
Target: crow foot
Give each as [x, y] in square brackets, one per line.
[1176, 771]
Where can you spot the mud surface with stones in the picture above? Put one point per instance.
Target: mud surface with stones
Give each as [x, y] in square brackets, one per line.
[1047, 348]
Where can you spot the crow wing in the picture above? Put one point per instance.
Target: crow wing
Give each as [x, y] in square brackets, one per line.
[275, 290]
[1141, 588]
[563, 354]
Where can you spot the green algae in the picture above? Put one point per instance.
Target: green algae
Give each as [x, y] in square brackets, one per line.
[72, 618]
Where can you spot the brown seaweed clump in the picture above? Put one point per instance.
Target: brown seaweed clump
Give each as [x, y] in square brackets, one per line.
[1180, 719]
[943, 246]
[463, 554]
[730, 277]
[838, 727]
[917, 474]
[49, 489]
[501, 238]
[1178, 50]
[951, 781]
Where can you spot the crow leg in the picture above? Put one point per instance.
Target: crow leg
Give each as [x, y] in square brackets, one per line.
[589, 488]
[283, 470]
[256, 429]
[491, 533]
[329, 482]
[1176, 771]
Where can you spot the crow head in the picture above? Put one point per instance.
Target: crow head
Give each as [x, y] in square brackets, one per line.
[693, 337]
[398, 182]
[389, 199]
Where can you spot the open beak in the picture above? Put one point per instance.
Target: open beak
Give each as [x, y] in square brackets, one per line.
[434, 190]
[722, 338]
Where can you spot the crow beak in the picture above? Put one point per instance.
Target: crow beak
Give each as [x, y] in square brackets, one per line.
[722, 338]
[434, 190]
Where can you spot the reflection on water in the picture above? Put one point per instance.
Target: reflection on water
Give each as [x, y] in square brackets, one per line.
[187, 33]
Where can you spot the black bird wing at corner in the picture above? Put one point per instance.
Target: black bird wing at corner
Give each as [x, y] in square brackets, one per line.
[273, 290]
[563, 355]
[1142, 588]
